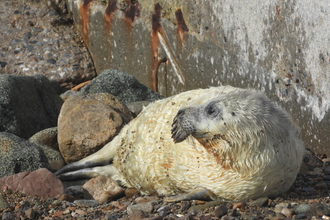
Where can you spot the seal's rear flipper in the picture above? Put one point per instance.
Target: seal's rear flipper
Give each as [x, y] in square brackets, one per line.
[74, 167]
[199, 193]
[108, 170]
[78, 169]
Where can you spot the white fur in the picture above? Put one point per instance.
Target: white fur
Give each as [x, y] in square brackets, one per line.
[250, 166]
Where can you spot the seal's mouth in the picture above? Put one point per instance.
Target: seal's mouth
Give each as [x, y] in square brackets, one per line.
[178, 133]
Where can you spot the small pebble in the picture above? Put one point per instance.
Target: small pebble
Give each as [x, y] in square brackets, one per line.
[220, 211]
[30, 48]
[301, 208]
[51, 61]
[3, 203]
[164, 210]
[66, 212]
[239, 205]
[326, 170]
[308, 189]
[300, 216]
[28, 35]
[232, 212]
[80, 212]
[279, 207]
[145, 207]
[3, 64]
[112, 216]
[260, 202]
[37, 29]
[286, 211]
[321, 186]
[8, 216]
[30, 213]
[85, 202]
[40, 43]
[249, 217]
[185, 205]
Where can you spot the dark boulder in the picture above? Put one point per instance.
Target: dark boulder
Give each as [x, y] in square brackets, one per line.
[28, 104]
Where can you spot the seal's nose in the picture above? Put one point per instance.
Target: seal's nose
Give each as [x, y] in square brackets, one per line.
[180, 112]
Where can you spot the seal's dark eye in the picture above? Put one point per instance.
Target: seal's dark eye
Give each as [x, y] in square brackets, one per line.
[211, 110]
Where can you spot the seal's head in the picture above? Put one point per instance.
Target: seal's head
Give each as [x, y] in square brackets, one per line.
[238, 115]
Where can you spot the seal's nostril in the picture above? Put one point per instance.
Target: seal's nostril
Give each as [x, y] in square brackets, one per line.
[180, 112]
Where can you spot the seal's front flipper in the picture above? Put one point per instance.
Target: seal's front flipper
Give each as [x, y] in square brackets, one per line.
[199, 193]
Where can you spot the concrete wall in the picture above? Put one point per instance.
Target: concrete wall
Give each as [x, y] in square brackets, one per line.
[280, 47]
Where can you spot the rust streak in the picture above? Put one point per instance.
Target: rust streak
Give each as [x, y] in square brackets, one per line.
[154, 45]
[158, 35]
[109, 11]
[111, 8]
[132, 11]
[84, 12]
[278, 11]
[181, 22]
[154, 84]
[182, 27]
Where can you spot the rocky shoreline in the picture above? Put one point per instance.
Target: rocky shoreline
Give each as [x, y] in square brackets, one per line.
[308, 198]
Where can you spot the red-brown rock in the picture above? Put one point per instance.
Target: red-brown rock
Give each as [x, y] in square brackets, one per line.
[102, 189]
[41, 183]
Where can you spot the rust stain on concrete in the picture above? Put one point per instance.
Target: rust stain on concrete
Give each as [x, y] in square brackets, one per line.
[182, 27]
[132, 11]
[158, 35]
[84, 12]
[111, 8]
[154, 45]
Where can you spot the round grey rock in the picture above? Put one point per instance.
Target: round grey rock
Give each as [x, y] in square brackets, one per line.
[47, 141]
[46, 137]
[19, 155]
[122, 85]
[301, 208]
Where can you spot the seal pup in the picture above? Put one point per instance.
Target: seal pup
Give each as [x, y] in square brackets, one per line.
[221, 143]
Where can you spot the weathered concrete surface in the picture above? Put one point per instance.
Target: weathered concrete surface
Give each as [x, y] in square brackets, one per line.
[281, 47]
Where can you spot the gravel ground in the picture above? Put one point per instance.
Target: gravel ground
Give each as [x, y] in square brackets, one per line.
[37, 39]
[308, 198]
